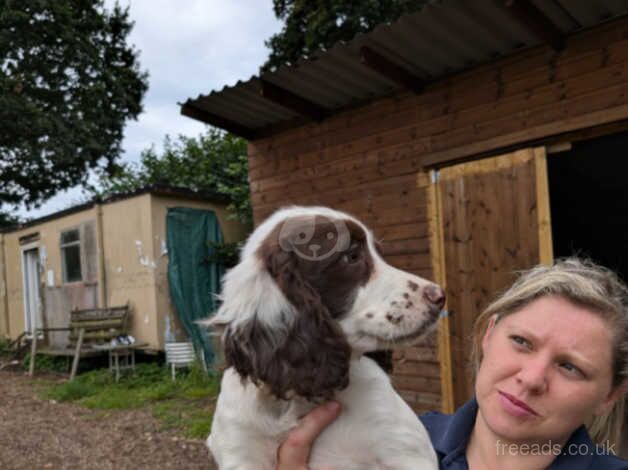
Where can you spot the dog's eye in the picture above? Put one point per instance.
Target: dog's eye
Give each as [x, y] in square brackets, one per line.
[351, 257]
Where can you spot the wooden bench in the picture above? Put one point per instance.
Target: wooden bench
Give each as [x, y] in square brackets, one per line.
[91, 331]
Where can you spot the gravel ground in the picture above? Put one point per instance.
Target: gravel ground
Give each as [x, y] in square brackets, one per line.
[42, 434]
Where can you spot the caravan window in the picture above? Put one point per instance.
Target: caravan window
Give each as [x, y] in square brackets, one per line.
[71, 255]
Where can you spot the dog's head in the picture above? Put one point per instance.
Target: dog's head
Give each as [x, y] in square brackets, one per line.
[310, 289]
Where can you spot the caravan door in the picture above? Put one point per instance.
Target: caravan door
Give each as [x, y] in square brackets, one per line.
[32, 298]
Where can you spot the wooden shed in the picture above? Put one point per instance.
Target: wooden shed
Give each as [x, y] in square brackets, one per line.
[99, 254]
[476, 138]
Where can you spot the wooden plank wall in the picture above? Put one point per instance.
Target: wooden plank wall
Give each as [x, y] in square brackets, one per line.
[365, 160]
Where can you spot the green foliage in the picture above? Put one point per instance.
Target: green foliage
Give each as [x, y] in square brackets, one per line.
[215, 162]
[46, 363]
[319, 24]
[68, 83]
[225, 254]
[4, 346]
[183, 404]
[8, 220]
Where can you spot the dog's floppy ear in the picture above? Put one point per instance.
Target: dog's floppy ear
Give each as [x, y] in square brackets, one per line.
[304, 353]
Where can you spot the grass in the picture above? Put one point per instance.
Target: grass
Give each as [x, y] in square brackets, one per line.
[47, 363]
[43, 363]
[185, 405]
[173, 412]
[4, 346]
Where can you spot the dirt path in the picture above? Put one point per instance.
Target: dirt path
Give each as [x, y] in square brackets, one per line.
[40, 434]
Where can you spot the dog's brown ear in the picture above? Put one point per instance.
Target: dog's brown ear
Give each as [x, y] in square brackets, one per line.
[307, 354]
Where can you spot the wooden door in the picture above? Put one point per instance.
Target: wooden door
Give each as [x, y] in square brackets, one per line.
[488, 219]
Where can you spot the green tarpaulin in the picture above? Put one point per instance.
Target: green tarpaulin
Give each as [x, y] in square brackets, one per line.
[193, 279]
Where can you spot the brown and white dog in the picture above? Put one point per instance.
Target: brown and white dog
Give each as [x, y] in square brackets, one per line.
[310, 296]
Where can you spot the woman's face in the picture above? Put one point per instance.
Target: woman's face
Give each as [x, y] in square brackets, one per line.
[545, 370]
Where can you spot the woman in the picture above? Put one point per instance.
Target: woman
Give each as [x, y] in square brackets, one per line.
[550, 355]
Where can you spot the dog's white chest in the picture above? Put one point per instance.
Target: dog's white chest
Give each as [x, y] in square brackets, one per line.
[376, 430]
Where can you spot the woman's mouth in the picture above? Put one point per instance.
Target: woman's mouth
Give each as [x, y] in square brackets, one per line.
[514, 406]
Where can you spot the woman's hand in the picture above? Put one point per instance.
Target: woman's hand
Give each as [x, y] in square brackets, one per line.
[294, 453]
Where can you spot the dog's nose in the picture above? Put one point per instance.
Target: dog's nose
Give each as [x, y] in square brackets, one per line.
[435, 296]
[394, 319]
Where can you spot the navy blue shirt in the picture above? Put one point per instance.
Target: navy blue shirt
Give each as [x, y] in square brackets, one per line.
[450, 435]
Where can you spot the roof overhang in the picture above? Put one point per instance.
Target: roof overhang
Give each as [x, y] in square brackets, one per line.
[443, 38]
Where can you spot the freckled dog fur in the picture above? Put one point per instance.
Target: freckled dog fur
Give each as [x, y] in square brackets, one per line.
[310, 296]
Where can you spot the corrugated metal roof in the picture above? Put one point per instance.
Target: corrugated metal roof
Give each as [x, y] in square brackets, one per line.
[444, 37]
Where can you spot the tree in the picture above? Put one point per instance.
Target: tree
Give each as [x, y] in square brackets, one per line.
[319, 24]
[215, 162]
[68, 83]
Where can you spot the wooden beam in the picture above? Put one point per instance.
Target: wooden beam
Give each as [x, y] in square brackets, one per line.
[190, 110]
[535, 21]
[429, 182]
[546, 250]
[394, 72]
[291, 101]
[588, 126]
[77, 354]
[31, 367]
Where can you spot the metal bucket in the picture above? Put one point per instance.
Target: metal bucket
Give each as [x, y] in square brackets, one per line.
[179, 355]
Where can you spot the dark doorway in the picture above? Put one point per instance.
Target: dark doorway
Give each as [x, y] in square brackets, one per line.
[589, 201]
[589, 205]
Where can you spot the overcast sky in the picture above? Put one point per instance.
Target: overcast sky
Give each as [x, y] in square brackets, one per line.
[188, 47]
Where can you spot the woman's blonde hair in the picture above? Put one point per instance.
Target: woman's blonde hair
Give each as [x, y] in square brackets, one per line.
[583, 283]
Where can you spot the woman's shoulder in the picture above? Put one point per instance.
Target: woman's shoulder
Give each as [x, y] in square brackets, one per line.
[436, 423]
[435, 418]
[581, 449]
[609, 462]
[450, 432]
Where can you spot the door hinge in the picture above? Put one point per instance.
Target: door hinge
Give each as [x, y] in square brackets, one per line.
[435, 176]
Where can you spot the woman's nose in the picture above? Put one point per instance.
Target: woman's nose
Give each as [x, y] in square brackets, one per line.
[534, 375]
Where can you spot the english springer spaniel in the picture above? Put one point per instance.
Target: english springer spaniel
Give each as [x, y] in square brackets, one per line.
[310, 296]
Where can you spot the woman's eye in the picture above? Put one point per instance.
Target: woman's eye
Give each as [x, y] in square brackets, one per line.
[520, 341]
[571, 369]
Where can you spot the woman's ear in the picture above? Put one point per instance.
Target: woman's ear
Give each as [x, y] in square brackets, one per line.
[489, 330]
[616, 394]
